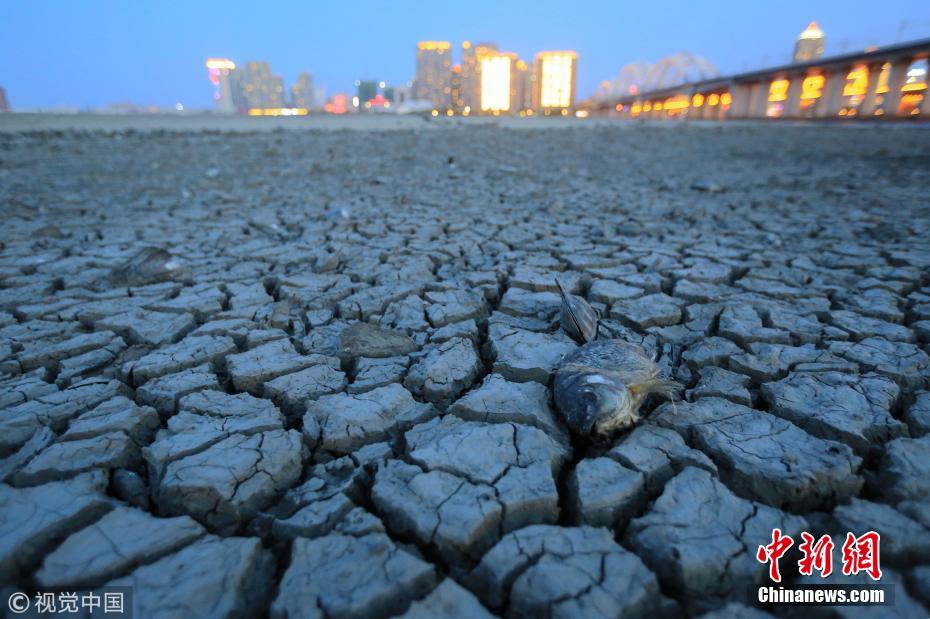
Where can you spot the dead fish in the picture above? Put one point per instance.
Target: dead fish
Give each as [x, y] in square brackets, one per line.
[577, 317]
[599, 387]
[149, 265]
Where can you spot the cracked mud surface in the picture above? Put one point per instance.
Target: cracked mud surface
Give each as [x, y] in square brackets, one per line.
[297, 373]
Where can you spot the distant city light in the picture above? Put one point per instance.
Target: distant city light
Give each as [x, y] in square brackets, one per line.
[220, 64]
[778, 90]
[857, 82]
[278, 111]
[495, 83]
[812, 87]
[336, 105]
[432, 46]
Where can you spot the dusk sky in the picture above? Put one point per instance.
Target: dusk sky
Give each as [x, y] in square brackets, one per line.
[95, 52]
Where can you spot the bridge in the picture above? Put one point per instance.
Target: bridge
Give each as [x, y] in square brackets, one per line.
[889, 82]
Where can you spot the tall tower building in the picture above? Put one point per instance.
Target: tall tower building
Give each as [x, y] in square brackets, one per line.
[302, 93]
[554, 81]
[434, 73]
[262, 89]
[471, 72]
[226, 94]
[497, 80]
[521, 87]
[809, 45]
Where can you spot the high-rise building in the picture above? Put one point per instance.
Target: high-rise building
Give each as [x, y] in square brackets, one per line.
[809, 45]
[365, 90]
[262, 89]
[227, 95]
[434, 73]
[400, 95]
[4, 102]
[471, 72]
[554, 81]
[455, 96]
[498, 82]
[521, 87]
[303, 94]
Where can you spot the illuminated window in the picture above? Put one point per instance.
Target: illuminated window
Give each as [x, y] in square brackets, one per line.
[697, 100]
[676, 104]
[910, 104]
[812, 87]
[857, 82]
[916, 78]
[778, 91]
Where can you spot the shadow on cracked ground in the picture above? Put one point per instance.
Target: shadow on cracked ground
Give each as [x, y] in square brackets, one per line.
[323, 388]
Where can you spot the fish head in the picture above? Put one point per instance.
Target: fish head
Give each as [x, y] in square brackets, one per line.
[605, 402]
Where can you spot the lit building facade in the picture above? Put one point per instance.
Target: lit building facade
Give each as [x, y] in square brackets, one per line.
[497, 74]
[303, 94]
[809, 45]
[434, 73]
[471, 72]
[554, 76]
[227, 96]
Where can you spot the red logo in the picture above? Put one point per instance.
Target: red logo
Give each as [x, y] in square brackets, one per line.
[860, 554]
[773, 552]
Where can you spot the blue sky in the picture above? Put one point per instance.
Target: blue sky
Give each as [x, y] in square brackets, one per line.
[95, 52]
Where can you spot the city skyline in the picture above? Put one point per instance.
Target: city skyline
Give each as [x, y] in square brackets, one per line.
[153, 55]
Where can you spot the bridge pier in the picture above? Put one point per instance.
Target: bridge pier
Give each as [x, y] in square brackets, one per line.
[896, 80]
[830, 99]
[760, 102]
[925, 103]
[742, 98]
[867, 108]
[792, 105]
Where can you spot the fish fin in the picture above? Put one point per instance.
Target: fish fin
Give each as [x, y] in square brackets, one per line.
[662, 386]
[571, 313]
[561, 288]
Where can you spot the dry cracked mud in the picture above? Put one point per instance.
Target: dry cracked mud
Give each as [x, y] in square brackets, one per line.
[301, 373]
